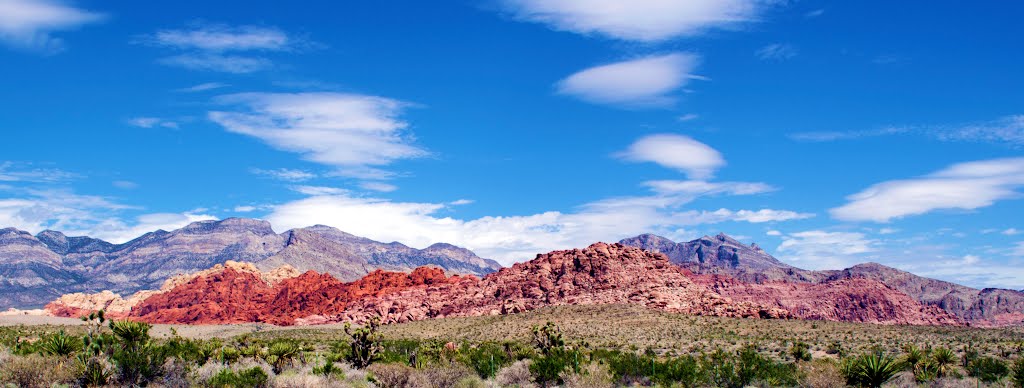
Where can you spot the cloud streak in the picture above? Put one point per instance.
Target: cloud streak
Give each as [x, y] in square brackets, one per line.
[695, 159]
[963, 186]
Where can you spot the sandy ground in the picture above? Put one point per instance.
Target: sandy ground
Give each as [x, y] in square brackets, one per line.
[159, 331]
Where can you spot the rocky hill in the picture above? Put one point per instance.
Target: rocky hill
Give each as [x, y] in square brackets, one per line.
[37, 269]
[599, 274]
[723, 255]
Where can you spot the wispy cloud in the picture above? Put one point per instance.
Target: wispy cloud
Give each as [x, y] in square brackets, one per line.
[25, 172]
[776, 52]
[637, 20]
[378, 186]
[152, 122]
[964, 186]
[1008, 130]
[285, 174]
[203, 87]
[357, 134]
[679, 152]
[642, 82]
[29, 24]
[815, 13]
[223, 48]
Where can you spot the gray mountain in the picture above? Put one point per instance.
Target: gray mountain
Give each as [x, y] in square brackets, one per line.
[723, 255]
[36, 269]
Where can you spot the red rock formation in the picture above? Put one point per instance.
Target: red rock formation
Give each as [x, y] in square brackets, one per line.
[599, 274]
[850, 300]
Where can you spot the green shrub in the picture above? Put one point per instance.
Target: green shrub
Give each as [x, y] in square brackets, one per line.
[1017, 372]
[800, 351]
[945, 362]
[987, 369]
[547, 369]
[684, 371]
[485, 359]
[249, 378]
[593, 375]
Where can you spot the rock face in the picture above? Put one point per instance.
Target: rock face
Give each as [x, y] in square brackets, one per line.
[37, 269]
[723, 255]
[848, 300]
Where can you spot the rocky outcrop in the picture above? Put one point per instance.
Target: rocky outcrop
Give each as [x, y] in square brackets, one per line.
[37, 269]
[723, 255]
[848, 300]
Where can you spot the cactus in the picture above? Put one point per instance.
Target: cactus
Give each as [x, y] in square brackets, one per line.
[365, 344]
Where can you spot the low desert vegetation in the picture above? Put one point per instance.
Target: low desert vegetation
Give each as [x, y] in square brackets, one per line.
[537, 349]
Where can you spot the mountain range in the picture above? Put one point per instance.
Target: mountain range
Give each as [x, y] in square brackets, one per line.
[37, 269]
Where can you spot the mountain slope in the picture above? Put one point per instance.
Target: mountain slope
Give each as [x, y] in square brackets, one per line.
[37, 269]
[723, 255]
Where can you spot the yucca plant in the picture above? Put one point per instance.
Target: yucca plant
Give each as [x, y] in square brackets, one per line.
[871, 370]
[925, 371]
[945, 362]
[61, 344]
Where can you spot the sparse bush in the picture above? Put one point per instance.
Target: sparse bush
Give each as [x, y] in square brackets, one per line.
[821, 373]
[485, 359]
[800, 351]
[445, 376]
[34, 370]
[593, 375]
[547, 338]
[391, 375]
[987, 369]
[516, 375]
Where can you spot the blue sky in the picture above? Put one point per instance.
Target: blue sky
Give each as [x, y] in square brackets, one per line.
[830, 133]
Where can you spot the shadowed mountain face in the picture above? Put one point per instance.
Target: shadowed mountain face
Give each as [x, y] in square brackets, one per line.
[37, 269]
[723, 255]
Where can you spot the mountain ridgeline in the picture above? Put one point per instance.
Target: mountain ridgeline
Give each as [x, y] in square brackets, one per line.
[37, 269]
[723, 256]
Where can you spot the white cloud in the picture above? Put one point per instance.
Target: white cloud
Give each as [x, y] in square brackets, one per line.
[378, 186]
[29, 23]
[689, 117]
[219, 38]
[888, 230]
[152, 122]
[964, 186]
[776, 52]
[1011, 232]
[642, 82]
[355, 133]
[636, 20]
[285, 174]
[679, 152]
[815, 13]
[818, 249]
[319, 190]
[203, 87]
[460, 202]
[244, 209]
[223, 48]
[504, 238]
[773, 233]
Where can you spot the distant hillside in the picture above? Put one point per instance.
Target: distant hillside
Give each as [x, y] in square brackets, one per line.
[36, 269]
[723, 255]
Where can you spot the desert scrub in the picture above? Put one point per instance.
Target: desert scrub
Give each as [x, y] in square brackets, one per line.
[987, 369]
[593, 375]
[35, 370]
[248, 378]
[870, 370]
[820, 373]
